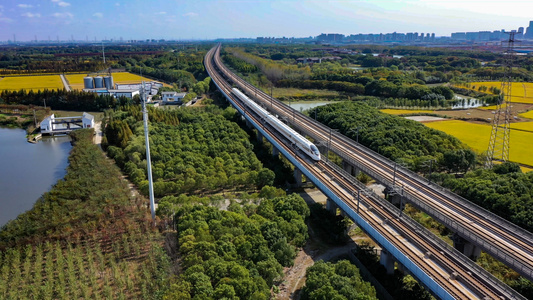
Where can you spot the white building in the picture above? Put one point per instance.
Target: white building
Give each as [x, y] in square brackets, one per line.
[124, 93]
[172, 97]
[87, 120]
[53, 125]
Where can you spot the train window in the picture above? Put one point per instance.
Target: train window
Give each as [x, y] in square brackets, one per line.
[314, 149]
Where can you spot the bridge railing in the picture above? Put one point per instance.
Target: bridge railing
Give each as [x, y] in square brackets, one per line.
[417, 227]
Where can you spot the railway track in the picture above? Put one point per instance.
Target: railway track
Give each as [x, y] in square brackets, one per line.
[500, 238]
[449, 269]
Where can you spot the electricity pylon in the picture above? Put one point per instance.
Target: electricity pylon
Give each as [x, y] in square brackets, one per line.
[501, 131]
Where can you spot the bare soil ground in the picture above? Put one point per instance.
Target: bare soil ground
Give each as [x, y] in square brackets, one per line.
[483, 114]
[312, 252]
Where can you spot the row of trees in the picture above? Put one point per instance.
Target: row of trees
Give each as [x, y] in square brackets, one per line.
[237, 254]
[273, 71]
[62, 100]
[381, 88]
[132, 267]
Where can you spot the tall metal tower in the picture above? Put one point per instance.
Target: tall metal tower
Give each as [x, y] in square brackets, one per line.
[499, 137]
[148, 159]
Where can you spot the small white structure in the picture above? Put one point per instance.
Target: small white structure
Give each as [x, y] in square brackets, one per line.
[46, 124]
[172, 97]
[87, 120]
[52, 125]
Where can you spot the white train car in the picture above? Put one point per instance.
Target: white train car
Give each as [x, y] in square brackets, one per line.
[301, 142]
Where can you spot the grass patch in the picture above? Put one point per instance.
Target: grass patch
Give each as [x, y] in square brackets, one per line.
[477, 137]
[34, 83]
[302, 94]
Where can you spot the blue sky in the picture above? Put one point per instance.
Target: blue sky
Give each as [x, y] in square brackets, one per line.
[208, 19]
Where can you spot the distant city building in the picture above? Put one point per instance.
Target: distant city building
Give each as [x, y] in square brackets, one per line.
[330, 37]
[529, 32]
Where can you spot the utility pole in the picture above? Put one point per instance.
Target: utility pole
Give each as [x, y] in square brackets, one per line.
[148, 159]
[103, 54]
[272, 97]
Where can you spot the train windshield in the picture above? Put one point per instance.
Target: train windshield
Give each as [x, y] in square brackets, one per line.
[314, 149]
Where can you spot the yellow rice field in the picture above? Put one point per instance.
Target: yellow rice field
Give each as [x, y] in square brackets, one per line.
[525, 126]
[528, 114]
[404, 111]
[34, 83]
[477, 137]
[521, 92]
[76, 80]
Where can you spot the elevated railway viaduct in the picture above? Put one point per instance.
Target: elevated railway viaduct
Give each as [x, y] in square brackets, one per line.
[444, 270]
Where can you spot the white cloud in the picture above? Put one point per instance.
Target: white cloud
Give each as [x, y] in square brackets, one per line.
[98, 15]
[161, 13]
[64, 15]
[25, 5]
[31, 15]
[4, 19]
[56, 1]
[190, 14]
[63, 4]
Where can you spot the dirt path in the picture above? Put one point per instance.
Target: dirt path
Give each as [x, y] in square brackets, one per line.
[295, 276]
[98, 134]
[65, 83]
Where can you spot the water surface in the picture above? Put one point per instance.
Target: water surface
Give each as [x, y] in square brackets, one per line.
[28, 170]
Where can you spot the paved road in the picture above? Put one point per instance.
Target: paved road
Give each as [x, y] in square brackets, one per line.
[65, 84]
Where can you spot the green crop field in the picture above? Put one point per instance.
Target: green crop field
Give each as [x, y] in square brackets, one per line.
[477, 137]
[34, 83]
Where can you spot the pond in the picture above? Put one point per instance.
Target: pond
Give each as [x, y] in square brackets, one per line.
[28, 170]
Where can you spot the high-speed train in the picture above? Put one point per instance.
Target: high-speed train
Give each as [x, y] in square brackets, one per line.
[301, 142]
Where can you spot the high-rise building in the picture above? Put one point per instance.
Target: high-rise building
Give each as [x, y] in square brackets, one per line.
[529, 32]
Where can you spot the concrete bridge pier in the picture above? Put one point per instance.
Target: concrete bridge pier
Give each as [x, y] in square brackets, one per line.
[466, 247]
[275, 151]
[298, 177]
[248, 124]
[387, 260]
[259, 137]
[402, 268]
[350, 169]
[331, 206]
